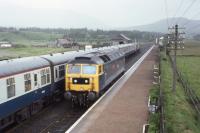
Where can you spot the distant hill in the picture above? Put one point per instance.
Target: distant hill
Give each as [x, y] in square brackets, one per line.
[191, 26]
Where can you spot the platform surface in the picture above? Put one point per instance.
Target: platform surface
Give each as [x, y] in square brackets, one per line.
[124, 111]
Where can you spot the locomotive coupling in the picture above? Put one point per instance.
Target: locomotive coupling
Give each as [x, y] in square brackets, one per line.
[91, 96]
[68, 95]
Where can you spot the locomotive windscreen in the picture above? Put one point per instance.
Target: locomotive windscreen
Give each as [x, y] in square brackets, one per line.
[89, 69]
[74, 69]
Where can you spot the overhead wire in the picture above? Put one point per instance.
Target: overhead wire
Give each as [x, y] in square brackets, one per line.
[186, 10]
[178, 9]
[166, 12]
[194, 16]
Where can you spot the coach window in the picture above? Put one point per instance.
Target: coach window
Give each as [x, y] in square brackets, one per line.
[35, 79]
[56, 73]
[27, 82]
[43, 76]
[61, 71]
[48, 75]
[10, 87]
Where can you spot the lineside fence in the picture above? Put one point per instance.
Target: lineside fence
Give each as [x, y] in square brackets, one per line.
[190, 93]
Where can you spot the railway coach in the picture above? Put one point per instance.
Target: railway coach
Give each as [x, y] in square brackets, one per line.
[88, 75]
[27, 84]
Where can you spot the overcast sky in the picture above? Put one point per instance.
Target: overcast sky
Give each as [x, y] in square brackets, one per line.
[91, 13]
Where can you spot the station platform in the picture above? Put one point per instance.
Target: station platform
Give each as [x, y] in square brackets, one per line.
[124, 109]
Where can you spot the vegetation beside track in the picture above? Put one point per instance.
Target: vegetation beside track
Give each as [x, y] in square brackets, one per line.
[188, 63]
[179, 115]
[154, 117]
[189, 67]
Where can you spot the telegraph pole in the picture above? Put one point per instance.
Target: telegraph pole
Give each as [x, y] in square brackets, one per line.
[175, 40]
[174, 62]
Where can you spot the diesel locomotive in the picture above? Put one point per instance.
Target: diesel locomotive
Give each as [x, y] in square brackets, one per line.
[89, 74]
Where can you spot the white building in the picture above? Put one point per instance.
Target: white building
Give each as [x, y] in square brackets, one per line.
[5, 45]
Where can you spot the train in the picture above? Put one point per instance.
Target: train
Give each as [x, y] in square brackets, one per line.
[28, 84]
[88, 75]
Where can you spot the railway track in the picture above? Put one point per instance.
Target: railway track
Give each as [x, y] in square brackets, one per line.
[58, 117]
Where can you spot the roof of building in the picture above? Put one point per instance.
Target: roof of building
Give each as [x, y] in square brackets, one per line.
[64, 41]
[4, 42]
[121, 37]
[125, 37]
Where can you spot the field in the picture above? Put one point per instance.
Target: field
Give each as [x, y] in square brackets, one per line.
[192, 48]
[189, 64]
[24, 41]
[10, 53]
[29, 38]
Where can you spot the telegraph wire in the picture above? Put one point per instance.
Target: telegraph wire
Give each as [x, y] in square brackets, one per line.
[196, 15]
[178, 9]
[166, 12]
[186, 10]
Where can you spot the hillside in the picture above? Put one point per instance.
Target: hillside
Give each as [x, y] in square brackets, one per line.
[191, 26]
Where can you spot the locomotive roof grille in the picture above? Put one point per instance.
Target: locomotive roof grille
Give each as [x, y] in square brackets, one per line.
[105, 58]
[83, 58]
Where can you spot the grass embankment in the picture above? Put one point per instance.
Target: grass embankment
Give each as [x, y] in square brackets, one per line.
[180, 117]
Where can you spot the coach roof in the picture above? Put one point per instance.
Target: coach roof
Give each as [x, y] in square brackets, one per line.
[61, 58]
[20, 65]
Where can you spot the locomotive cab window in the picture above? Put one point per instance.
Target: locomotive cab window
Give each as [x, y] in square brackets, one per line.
[88, 69]
[10, 87]
[74, 69]
[27, 82]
